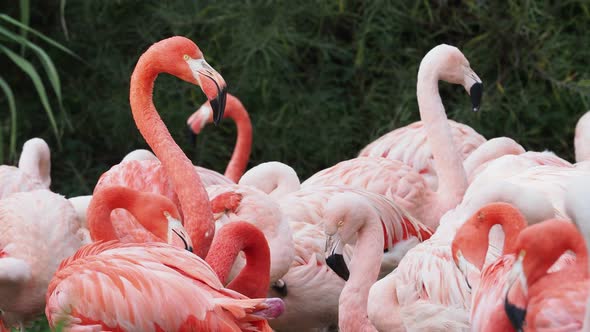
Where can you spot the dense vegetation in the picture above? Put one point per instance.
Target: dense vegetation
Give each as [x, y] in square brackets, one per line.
[321, 79]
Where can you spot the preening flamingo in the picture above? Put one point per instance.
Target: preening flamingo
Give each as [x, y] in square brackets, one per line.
[237, 112]
[582, 139]
[469, 249]
[33, 171]
[157, 287]
[233, 202]
[548, 301]
[38, 229]
[311, 288]
[175, 177]
[273, 178]
[157, 218]
[406, 186]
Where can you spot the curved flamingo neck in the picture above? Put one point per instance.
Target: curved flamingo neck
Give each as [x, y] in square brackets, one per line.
[35, 160]
[473, 237]
[239, 159]
[448, 162]
[563, 237]
[364, 271]
[106, 200]
[194, 202]
[253, 280]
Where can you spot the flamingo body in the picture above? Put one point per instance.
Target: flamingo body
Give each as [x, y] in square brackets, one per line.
[410, 145]
[148, 287]
[38, 229]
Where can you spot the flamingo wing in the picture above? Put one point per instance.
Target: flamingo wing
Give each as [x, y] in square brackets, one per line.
[148, 287]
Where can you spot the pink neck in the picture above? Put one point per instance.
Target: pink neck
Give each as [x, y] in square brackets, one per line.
[449, 163]
[364, 270]
[254, 279]
[102, 204]
[509, 218]
[239, 159]
[194, 202]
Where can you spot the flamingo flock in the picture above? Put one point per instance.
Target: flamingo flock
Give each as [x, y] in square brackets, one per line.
[431, 228]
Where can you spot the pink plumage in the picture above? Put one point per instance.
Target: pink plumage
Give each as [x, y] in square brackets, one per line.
[148, 287]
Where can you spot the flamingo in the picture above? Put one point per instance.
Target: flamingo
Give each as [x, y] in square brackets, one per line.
[33, 171]
[311, 287]
[157, 287]
[406, 186]
[576, 207]
[548, 301]
[156, 213]
[469, 249]
[273, 178]
[582, 137]
[174, 176]
[38, 229]
[237, 112]
[233, 202]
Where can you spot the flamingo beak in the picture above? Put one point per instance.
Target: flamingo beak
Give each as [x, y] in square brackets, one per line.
[515, 314]
[176, 231]
[213, 86]
[335, 259]
[474, 86]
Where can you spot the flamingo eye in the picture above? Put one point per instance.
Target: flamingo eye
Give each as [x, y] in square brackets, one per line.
[186, 57]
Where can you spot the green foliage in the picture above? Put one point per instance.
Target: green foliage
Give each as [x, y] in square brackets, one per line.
[8, 38]
[321, 79]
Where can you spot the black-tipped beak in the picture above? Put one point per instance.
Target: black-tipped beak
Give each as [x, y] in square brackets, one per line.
[515, 314]
[338, 265]
[476, 92]
[218, 104]
[191, 135]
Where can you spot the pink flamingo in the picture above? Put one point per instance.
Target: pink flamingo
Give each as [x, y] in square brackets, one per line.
[576, 206]
[231, 203]
[311, 288]
[408, 187]
[548, 301]
[237, 112]
[156, 213]
[157, 287]
[469, 249]
[175, 177]
[582, 142]
[38, 229]
[32, 172]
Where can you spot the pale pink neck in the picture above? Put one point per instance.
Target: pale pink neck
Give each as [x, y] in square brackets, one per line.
[194, 202]
[253, 280]
[364, 270]
[239, 159]
[35, 160]
[449, 164]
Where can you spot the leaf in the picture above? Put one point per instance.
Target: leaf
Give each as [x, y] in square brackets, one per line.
[47, 63]
[25, 17]
[12, 108]
[40, 35]
[62, 18]
[28, 68]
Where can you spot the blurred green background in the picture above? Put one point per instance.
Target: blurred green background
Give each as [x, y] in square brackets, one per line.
[321, 79]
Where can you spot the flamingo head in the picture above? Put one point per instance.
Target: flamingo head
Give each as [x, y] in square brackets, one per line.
[180, 57]
[205, 115]
[454, 68]
[344, 215]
